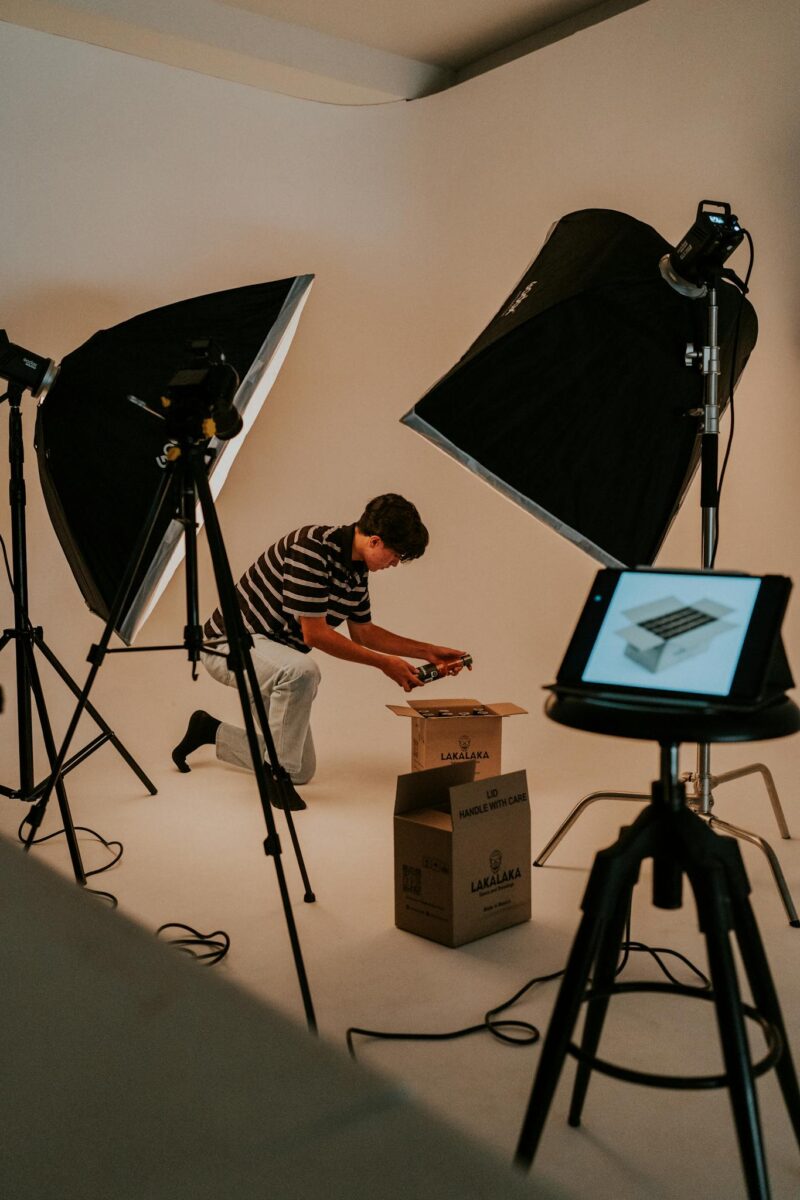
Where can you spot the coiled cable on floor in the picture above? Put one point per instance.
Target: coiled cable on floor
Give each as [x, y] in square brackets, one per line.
[207, 948]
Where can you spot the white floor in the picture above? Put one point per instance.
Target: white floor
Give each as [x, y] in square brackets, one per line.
[193, 853]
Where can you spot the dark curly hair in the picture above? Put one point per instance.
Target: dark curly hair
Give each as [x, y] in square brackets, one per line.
[397, 523]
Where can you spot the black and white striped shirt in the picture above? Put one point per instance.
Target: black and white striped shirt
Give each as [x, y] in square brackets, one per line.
[307, 573]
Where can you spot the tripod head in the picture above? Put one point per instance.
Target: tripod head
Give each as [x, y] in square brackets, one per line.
[198, 401]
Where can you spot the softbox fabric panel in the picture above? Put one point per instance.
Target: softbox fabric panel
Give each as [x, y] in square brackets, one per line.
[575, 400]
[102, 457]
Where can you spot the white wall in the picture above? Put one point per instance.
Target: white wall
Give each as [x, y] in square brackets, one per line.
[128, 184]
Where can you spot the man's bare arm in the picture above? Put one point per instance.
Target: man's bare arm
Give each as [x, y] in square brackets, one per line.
[386, 642]
[321, 636]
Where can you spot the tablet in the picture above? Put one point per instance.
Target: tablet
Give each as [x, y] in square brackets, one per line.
[684, 637]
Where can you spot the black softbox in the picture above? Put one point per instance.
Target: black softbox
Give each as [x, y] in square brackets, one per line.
[102, 457]
[576, 401]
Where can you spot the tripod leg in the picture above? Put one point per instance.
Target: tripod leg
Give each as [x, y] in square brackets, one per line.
[577, 811]
[263, 721]
[94, 714]
[239, 657]
[713, 905]
[769, 783]
[603, 979]
[559, 1033]
[161, 500]
[761, 983]
[61, 792]
[772, 859]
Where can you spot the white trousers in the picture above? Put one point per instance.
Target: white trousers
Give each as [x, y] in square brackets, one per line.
[288, 682]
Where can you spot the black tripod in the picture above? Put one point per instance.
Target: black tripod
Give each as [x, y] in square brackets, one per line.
[28, 638]
[185, 483]
[668, 832]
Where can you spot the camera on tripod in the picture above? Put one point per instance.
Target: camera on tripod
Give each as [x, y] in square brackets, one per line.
[198, 400]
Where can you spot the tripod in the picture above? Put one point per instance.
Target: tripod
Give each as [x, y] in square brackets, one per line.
[28, 638]
[679, 845]
[185, 483]
[701, 797]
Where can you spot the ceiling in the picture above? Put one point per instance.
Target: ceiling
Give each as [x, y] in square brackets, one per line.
[335, 51]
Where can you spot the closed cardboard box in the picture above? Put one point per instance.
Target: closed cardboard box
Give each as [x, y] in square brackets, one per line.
[462, 853]
[451, 731]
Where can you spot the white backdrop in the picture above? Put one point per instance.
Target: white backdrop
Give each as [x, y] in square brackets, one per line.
[129, 184]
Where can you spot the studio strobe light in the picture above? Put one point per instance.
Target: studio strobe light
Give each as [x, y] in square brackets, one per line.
[576, 401]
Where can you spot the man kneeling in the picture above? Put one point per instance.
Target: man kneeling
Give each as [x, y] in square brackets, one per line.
[292, 599]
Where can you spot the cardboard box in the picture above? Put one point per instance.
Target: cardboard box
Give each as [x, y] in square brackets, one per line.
[462, 853]
[448, 731]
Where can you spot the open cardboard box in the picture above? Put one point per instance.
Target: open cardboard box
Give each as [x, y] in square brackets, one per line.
[448, 731]
[462, 853]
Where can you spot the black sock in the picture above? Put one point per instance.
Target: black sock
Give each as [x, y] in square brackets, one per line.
[281, 791]
[201, 731]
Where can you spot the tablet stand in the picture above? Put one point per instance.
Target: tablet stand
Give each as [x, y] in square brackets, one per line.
[679, 845]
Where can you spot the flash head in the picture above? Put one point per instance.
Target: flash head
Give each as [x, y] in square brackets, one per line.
[22, 367]
[702, 251]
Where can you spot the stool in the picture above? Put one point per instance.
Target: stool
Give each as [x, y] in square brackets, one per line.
[669, 833]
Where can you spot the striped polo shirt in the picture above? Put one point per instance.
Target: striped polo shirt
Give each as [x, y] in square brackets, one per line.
[307, 573]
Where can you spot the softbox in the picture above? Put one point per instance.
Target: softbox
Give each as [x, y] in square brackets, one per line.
[102, 456]
[576, 401]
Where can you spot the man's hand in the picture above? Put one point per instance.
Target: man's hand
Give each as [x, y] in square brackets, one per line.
[446, 660]
[401, 672]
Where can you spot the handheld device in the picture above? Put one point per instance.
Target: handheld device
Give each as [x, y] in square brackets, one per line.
[430, 671]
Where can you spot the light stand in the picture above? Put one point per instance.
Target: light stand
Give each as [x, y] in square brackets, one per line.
[701, 796]
[28, 638]
[185, 482]
[704, 283]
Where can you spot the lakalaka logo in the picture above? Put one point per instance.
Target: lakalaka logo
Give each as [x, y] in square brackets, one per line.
[497, 876]
[463, 752]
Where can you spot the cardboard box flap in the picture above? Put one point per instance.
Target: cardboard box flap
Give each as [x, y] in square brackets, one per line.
[506, 709]
[485, 797]
[447, 702]
[430, 789]
[466, 703]
[402, 710]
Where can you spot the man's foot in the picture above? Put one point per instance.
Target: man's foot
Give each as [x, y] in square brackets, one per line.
[282, 794]
[201, 731]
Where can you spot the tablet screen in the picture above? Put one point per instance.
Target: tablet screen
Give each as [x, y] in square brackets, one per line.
[672, 632]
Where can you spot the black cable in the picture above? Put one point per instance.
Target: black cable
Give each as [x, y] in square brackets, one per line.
[214, 945]
[628, 947]
[109, 896]
[532, 1033]
[78, 829]
[495, 1028]
[744, 289]
[8, 568]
